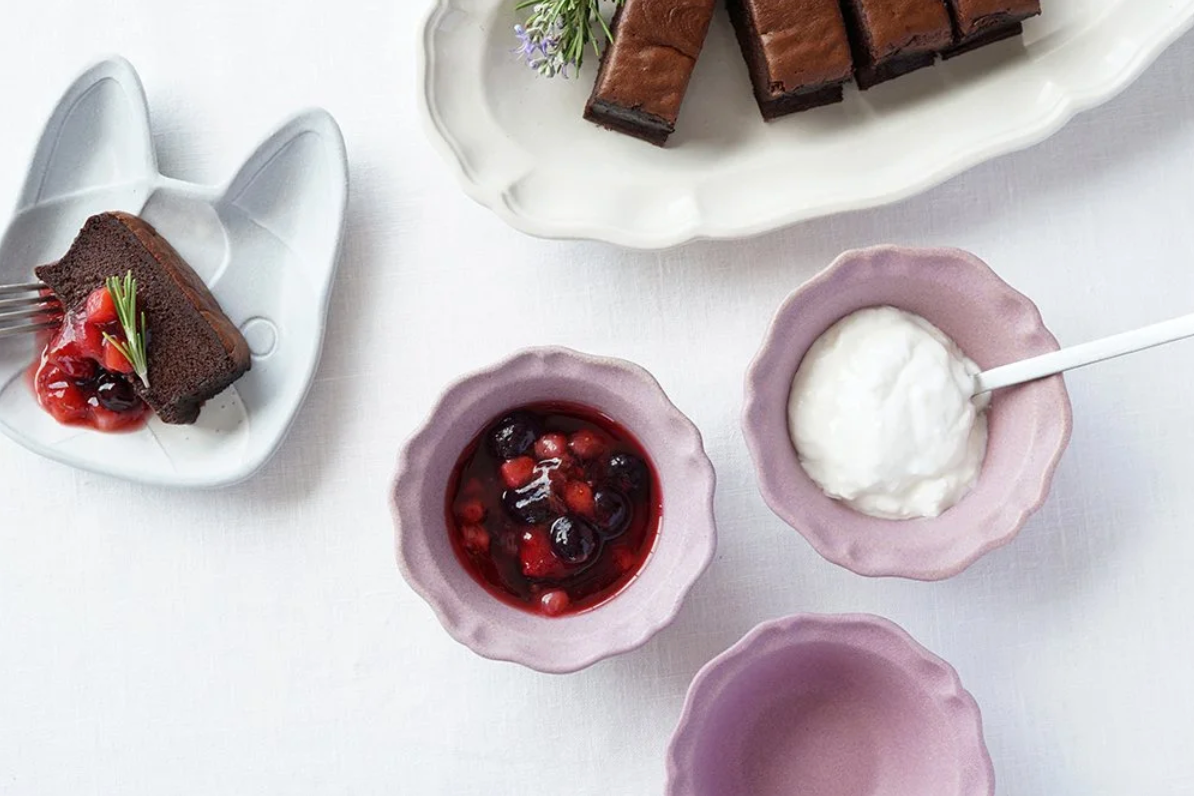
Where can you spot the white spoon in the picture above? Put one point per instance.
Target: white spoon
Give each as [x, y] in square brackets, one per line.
[1085, 354]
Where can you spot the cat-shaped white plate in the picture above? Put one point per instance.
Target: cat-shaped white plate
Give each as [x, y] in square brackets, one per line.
[266, 244]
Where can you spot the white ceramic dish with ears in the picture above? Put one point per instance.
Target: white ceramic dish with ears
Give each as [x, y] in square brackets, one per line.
[520, 147]
[266, 243]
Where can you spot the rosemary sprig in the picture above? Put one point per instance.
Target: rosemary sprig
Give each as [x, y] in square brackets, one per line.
[124, 296]
[558, 33]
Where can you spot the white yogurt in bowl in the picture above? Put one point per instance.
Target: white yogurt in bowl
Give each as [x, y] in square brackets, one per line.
[882, 416]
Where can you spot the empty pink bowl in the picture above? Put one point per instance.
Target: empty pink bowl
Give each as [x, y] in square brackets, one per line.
[829, 706]
[1029, 425]
[683, 548]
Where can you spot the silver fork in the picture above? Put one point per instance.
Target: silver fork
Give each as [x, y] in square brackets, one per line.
[27, 308]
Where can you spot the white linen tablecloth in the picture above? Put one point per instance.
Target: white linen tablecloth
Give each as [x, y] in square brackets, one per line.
[259, 640]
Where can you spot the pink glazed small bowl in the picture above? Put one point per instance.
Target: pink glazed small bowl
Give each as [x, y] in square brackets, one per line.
[683, 549]
[829, 706]
[1029, 425]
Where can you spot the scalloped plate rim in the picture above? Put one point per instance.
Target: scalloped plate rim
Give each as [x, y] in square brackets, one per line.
[496, 198]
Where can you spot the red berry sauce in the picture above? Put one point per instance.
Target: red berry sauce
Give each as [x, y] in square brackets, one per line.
[554, 508]
[82, 379]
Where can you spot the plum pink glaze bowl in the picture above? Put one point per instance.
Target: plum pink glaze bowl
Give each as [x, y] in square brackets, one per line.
[683, 549]
[829, 706]
[1029, 425]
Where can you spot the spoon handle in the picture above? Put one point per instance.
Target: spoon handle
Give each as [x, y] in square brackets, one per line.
[1085, 354]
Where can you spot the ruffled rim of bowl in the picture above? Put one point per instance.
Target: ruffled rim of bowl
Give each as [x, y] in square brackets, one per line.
[1001, 524]
[689, 560]
[938, 679]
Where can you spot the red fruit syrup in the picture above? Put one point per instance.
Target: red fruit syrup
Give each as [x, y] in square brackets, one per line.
[554, 508]
[81, 379]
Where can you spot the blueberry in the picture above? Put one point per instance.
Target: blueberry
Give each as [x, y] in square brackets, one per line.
[573, 540]
[513, 436]
[115, 393]
[629, 473]
[531, 504]
[611, 511]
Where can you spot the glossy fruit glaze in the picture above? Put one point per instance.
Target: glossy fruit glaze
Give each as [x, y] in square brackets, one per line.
[81, 379]
[554, 508]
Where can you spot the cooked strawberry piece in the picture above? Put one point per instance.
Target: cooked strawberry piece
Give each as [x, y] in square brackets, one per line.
[518, 472]
[536, 557]
[551, 446]
[579, 497]
[87, 338]
[587, 445]
[60, 396]
[114, 360]
[75, 341]
[100, 309]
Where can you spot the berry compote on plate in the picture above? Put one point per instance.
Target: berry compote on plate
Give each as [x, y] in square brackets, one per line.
[81, 379]
[554, 508]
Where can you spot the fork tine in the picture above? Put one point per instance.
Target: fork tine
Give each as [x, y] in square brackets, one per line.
[35, 312]
[12, 331]
[24, 314]
[32, 301]
[28, 287]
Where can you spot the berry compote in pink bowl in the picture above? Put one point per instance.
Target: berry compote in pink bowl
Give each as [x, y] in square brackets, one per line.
[555, 509]
[829, 706]
[1029, 425]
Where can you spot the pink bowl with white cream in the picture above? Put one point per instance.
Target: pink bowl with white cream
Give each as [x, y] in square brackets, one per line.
[1029, 425]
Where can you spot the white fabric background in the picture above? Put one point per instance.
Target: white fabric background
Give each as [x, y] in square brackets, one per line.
[259, 640]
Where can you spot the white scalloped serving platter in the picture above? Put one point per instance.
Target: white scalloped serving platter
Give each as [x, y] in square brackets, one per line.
[266, 244]
[520, 147]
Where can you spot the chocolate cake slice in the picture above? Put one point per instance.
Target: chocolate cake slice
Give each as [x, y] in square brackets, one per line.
[194, 350]
[978, 23]
[646, 68]
[797, 51]
[894, 37]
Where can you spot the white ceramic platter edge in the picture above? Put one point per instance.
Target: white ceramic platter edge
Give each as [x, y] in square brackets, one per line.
[519, 146]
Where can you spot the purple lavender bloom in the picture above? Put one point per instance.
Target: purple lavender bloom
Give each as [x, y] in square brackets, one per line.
[540, 41]
[527, 48]
[551, 49]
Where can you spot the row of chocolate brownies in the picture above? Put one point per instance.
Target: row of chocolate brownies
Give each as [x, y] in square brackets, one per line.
[799, 52]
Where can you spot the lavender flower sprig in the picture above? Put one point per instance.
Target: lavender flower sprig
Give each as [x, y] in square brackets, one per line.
[558, 33]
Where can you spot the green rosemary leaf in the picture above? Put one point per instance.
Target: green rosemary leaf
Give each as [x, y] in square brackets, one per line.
[557, 33]
[136, 344]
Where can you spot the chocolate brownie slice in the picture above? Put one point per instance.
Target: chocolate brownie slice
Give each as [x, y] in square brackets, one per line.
[978, 23]
[894, 37]
[194, 350]
[797, 51]
[646, 68]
